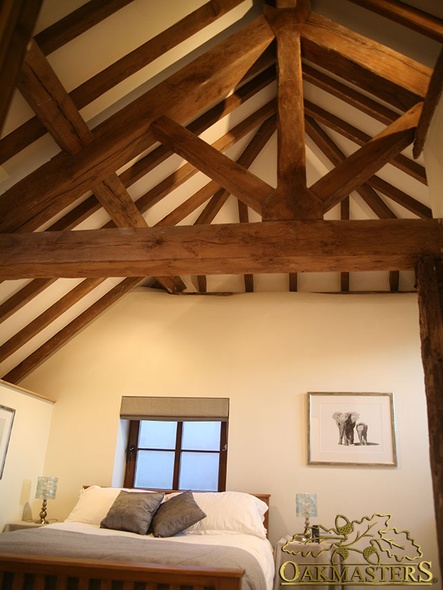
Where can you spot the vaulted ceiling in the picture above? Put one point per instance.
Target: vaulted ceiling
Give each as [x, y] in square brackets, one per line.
[208, 148]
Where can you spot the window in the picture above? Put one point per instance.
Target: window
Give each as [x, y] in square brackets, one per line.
[177, 455]
[170, 451]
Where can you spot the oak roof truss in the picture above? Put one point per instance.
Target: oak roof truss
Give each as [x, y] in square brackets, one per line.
[288, 226]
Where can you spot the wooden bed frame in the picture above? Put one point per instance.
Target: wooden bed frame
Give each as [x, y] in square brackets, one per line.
[25, 572]
[64, 574]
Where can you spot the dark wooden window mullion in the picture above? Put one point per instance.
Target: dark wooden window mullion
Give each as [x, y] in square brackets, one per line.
[223, 457]
[131, 453]
[178, 451]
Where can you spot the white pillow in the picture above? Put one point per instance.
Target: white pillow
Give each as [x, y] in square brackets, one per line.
[229, 513]
[94, 504]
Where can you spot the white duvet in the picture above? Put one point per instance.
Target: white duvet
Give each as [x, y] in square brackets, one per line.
[261, 549]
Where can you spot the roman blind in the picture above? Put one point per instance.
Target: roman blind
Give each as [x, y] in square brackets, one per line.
[175, 408]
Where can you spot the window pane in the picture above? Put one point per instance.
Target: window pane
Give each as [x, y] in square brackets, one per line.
[157, 435]
[199, 471]
[154, 469]
[201, 436]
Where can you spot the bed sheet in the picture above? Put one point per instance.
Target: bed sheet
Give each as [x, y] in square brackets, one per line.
[259, 548]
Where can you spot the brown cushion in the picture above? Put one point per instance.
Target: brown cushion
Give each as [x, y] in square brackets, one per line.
[132, 511]
[175, 515]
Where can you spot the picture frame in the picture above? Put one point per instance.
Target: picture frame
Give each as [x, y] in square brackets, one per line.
[353, 429]
[6, 421]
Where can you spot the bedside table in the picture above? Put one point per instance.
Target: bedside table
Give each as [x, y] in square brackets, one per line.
[281, 557]
[22, 524]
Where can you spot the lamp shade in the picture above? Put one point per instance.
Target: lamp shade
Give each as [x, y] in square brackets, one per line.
[46, 488]
[306, 505]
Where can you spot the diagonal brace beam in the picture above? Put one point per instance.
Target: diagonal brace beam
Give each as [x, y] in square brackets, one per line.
[365, 162]
[247, 187]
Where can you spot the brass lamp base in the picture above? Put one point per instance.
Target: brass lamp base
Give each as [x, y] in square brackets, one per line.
[43, 513]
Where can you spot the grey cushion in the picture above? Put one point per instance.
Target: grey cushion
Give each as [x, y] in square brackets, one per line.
[176, 515]
[132, 511]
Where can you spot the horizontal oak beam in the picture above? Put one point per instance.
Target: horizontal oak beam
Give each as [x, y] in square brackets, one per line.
[245, 248]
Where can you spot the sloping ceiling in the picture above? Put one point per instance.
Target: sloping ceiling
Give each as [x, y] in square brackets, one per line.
[209, 147]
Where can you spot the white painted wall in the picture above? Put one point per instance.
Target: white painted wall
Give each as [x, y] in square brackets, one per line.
[26, 452]
[265, 352]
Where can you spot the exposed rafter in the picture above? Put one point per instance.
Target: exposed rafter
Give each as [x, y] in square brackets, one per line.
[406, 15]
[17, 22]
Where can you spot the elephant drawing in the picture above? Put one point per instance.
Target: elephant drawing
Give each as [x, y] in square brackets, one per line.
[362, 431]
[346, 422]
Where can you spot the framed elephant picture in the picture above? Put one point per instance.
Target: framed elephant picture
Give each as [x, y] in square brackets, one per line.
[6, 420]
[351, 429]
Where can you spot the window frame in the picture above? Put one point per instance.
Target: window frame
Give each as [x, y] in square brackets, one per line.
[133, 449]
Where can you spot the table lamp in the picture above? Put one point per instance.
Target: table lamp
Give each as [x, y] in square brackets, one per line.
[46, 489]
[306, 506]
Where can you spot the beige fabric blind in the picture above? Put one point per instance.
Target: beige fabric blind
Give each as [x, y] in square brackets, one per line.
[175, 408]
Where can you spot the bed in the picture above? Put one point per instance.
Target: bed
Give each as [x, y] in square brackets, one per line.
[120, 539]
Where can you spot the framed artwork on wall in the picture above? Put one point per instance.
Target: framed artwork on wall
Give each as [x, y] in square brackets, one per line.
[351, 429]
[6, 420]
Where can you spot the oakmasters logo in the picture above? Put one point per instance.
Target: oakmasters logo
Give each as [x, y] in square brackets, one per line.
[359, 552]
